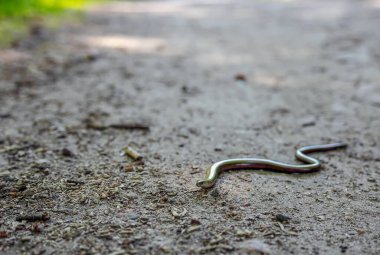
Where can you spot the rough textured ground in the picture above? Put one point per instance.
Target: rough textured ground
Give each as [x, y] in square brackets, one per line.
[212, 80]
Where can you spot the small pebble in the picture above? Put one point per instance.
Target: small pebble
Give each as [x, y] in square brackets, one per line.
[282, 218]
[133, 216]
[240, 77]
[254, 246]
[4, 173]
[214, 192]
[128, 168]
[3, 234]
[67, 153]
[195, 222]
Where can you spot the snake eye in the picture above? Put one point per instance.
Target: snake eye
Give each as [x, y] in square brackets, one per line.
[200, 184]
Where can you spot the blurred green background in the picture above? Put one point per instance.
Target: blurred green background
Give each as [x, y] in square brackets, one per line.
[17, 15]
[28, 8]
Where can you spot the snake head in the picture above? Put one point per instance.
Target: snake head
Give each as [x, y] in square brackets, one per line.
[205, 184]
[208, 182]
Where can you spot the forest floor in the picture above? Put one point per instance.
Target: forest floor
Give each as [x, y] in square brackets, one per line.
[186, 84]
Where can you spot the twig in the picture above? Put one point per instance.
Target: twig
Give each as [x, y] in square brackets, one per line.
[213, 247]
[286, 231]
[32, 218]
[124, 126]
[130, 126]
[75, 182]
[18, 148]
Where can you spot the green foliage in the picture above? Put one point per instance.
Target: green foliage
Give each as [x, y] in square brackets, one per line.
[16, 14]
[29, 8]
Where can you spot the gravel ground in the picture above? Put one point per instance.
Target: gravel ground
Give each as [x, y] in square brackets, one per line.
[185, 84]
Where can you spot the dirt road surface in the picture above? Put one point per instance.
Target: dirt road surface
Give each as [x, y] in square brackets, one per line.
[185, 84]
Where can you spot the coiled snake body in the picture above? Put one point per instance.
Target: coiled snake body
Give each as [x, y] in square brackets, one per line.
[311, 164]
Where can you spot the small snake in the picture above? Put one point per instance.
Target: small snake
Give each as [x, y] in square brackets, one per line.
[312, 164]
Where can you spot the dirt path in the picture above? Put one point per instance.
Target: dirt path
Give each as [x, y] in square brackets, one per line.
[211, 80]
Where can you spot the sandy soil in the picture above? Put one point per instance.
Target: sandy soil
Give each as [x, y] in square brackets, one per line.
[185, 84]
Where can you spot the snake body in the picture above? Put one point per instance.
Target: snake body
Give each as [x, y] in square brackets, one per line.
[311, 164]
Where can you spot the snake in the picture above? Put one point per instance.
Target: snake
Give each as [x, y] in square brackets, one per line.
[311, 164]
